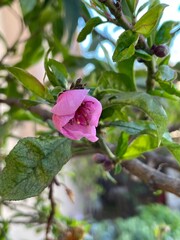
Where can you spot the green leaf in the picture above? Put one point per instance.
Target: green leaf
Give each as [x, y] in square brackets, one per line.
[173, 147]
[126, 69]
[141, 144]
[169, 87]
[143, 55]
[154, 3]
[91, 23]
[163, 94]
[117, 169]
[149, 20]
[5, 129]
[47, 16]
[29, 103]
[27, 6]
[127, 9]
[142, 7]
[29, 81]
[135, 128]
[22, 115]
[32, 53]
[72, 13]
[163, 35]
[122, 144]
[143, 101]
[59, 72]
[165, 73]
[132, 4]
[113, 80]
[5, 2]
[177, 68]
[125, 47]
[32, 165]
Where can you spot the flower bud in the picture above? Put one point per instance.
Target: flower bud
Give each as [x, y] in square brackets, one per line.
[108, 165]
[160, 50]
[99, 158]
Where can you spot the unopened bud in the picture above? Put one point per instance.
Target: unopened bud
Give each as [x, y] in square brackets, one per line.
[108, 165]
[160, 50]
[99, 158]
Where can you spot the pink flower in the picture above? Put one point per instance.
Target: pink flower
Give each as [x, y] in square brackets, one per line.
[76, 114]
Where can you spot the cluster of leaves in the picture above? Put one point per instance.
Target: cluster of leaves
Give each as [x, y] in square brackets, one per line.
[119, 87]
[133, 100]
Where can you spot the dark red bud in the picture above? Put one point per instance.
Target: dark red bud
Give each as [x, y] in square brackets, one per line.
[99, 158]
[108, 165]
[160, 50]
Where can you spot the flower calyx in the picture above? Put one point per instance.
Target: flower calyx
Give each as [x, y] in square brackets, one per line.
[78, 84]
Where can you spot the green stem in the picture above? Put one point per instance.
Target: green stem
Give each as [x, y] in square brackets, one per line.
[150, 76]
[151, 66]
[107, 149]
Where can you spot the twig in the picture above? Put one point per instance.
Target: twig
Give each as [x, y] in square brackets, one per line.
[24, 222]
[116, 10]
[52, 212]
[34, 109]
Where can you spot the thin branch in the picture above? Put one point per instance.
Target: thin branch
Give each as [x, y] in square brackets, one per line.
[107, 149]
[24, 222]
[12, 102]
[52, 212]
[154, 178]
[116, 11]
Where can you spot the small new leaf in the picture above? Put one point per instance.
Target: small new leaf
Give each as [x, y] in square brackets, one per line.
[141, 54]
[164, 33]
[169, 87]
[122, 144]
[141, 144]
[117, 169]
[59, 71]
[142, 7]
[172, 146]
[125, 46]
[93, 22]
[165, 73]
[149, 20]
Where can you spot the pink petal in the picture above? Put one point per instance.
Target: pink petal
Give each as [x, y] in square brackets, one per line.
[76, 132]
[60, 122]
[96, 110]
[68, 102]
